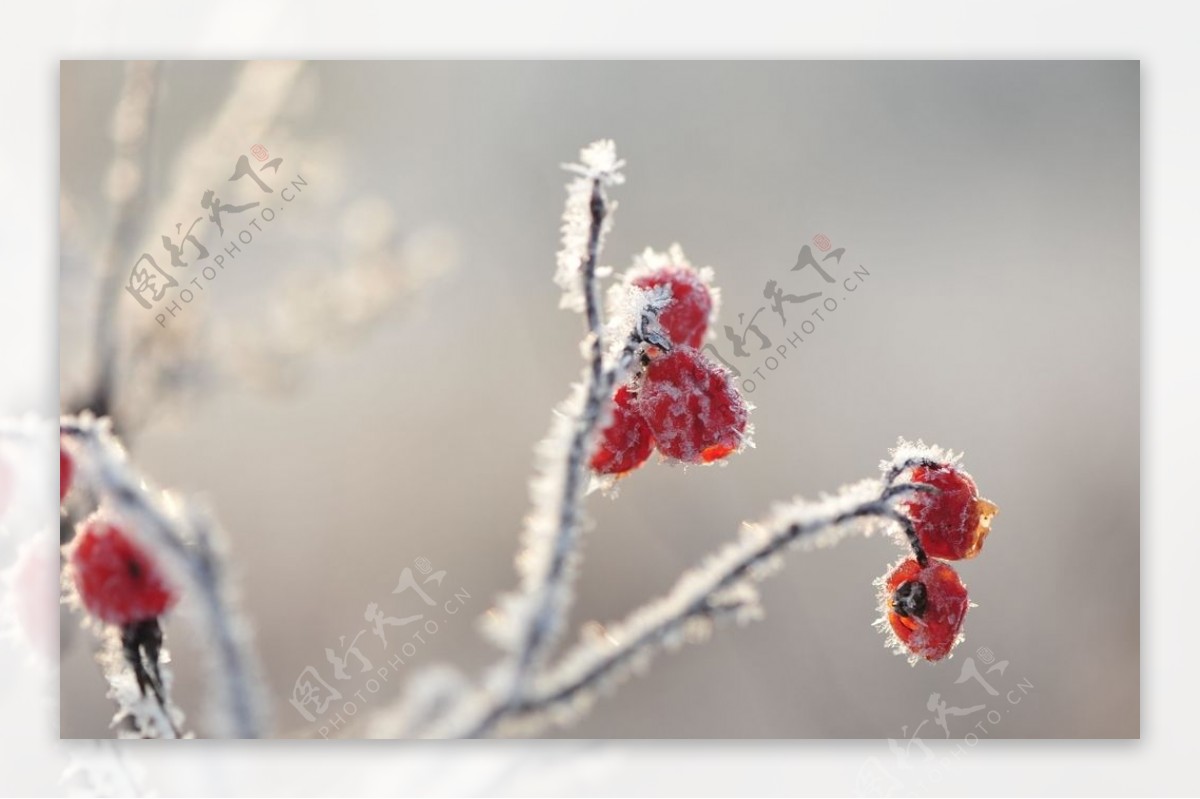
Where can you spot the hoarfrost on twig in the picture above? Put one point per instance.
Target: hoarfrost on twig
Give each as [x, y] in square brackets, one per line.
[719, 588]
[535, 615]
[140, 714]
[582, 232]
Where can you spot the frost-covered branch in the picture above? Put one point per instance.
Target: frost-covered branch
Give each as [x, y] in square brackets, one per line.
[527, 622]
[534, 617]
[186, 542]
[723, 586]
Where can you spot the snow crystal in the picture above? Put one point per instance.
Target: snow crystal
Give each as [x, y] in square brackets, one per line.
[907, 454]
[650, 261]
[599, 168]
[139, 715]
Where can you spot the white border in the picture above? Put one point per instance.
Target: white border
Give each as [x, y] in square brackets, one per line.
[36, 34]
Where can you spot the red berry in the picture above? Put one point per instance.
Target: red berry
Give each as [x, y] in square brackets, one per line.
[953, 522]
[692, 407]
[924, 607]
[66, 472]
[685, 319]
[117, 581]
[627, 441]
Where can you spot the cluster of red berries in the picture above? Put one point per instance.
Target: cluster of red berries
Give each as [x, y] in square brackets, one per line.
[922, 598]
[681, 402]
[117, 581]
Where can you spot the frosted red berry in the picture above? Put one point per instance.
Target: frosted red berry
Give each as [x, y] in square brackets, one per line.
[925, 607]
[692, 407]
[627, 441]
[66, 472]
[117, 581]
[952, 522]
[685, 319]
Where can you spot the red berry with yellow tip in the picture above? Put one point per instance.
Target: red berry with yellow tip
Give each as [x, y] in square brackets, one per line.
[952, 521]
[692, 407]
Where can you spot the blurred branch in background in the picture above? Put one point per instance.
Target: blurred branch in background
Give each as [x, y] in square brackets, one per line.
[139, 367]
[127, 188]
[381, 275]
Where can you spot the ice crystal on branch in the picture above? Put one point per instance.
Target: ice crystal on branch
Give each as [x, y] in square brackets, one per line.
[140, 713]
[907, 454]
[633, 322]
[586, 219]
[663, 269]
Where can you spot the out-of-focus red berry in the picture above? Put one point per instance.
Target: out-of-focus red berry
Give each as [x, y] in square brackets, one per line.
[952, 522]
[117, 581]
[66, 472]
[692, 407]
[627, 441]
[33, 592]
[685, 319]
[925, 607]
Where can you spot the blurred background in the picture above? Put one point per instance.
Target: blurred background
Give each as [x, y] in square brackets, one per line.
[363, 386]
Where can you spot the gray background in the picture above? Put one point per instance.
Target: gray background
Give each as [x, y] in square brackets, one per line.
[996, 207]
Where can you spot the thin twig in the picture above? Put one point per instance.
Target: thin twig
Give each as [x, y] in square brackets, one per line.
[708, 593]
[544, 622]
